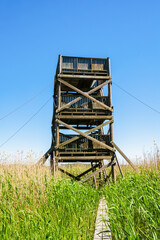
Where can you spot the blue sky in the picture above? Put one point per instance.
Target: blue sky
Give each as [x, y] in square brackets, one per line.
[33, 33]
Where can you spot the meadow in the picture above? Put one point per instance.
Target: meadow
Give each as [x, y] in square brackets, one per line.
[134, 206]
[34, 205]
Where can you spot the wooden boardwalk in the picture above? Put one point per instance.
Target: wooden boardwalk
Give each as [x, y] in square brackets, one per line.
[102, 225]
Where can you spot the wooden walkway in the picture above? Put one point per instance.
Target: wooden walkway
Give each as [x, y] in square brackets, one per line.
[102, 226]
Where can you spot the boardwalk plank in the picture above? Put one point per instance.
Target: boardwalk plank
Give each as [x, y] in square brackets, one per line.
[102, 225]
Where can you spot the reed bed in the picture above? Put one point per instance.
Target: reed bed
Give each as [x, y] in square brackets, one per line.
[34, 205]
[134, 205]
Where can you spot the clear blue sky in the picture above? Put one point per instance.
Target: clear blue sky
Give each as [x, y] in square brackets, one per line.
[33, 33]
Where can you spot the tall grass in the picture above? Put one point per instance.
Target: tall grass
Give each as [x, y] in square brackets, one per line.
[134, 206]
[34, 205]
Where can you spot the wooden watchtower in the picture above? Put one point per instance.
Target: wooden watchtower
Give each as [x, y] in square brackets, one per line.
[80, 113]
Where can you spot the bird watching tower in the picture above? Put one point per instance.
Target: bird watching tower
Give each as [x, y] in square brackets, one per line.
[80, 113]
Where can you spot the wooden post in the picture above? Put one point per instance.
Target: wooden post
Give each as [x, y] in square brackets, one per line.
[110, 100]
[111, 125]
[104, 172]
[113, 174]
[54, 167]
[110, 97]
[60, 64]
[94, 178]
[57, 125]
[100, 173]
[52, 163]
[59, 95]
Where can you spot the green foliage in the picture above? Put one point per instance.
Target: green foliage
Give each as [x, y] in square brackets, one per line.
[134, 206]
[35, 206]
[61, 209]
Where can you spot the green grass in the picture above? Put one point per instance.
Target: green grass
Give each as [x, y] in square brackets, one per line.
[46, 209]
[34, 205]
[134, 206]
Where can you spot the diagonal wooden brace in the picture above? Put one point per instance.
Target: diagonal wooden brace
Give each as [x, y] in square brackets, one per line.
[97, 171]
[85, 95]
[118, 165]
[44, 157]
[87, 132]
[86, 136]
[80, 175]
[87, 171]
[79, 98]
[123, 155]
[67, 173]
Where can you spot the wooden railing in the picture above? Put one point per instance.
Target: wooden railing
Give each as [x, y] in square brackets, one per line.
[83, 144]
[84, 103]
